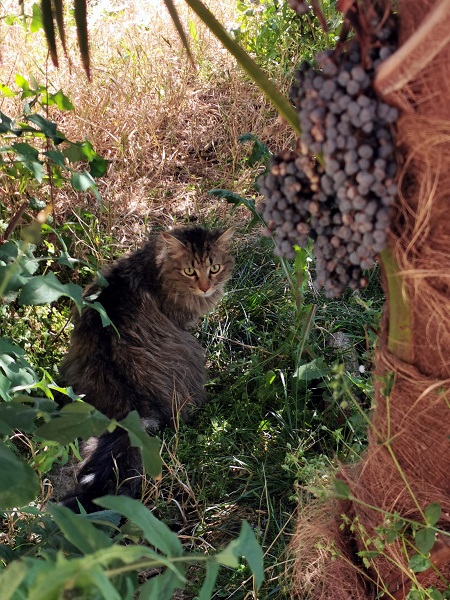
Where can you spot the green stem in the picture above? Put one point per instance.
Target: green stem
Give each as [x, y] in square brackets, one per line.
[399, 342]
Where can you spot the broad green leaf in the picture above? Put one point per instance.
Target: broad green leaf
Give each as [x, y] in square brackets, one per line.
[6, 124]
[62, 101]
[36, 21]
[155, 532]
[25, 150]
[34, 167]
[15, 415]
[49, 29]
[74, 152]
[98, 166]
[6, 91]
[75, 420]
[316, 369]
[282, 104]
[247, 546]
[5, 386]
[212, 570]
[22, 82]
[102, 312]
[425, 539]
[57, 157]
[162, 587]
[433, 513]
[44, 289]
[149, 445]
[341, 488]
[418, 563]
[78, 530]
[83, 181]
[260, 151]
[96, 577]
[11, 579]
[19, 484]
[47, 127]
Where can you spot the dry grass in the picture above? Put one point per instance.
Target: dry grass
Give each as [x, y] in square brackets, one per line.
[168, 129]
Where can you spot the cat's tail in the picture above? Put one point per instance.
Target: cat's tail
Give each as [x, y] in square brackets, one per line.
[110, 466]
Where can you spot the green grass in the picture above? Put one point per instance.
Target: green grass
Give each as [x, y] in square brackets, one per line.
[265, 438]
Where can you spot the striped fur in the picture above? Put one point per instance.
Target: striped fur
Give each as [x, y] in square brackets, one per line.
[155, 365]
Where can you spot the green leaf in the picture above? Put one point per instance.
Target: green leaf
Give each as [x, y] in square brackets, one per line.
[78, 530]
[6, 91]
[212, 570]
[22, 82]
[5, 386]
[25, 150]
[418, 563]
[57, 157]
[341, 488]
[425, 539]
[155, 532]
[98, 166]
[11, 579]
[106, 321]
[36, 21]
[247, 546]
[19, 484]
[149, 445]
[61, 101]
[433, 513]
[44, 289]
[47, 127]
[163, 586]
[15, 415]
[75, 420]
[316, 369]
[260, 151]
[35, 168]
[84, 181]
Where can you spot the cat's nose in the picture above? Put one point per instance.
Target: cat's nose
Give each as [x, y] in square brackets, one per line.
[203, 286]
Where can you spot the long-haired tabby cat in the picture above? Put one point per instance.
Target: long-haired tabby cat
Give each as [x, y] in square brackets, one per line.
[152, 363]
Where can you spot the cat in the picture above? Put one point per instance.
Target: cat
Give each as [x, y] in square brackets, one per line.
[149, 361]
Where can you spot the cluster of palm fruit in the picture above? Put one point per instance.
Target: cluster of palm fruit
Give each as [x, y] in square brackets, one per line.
[342, 198]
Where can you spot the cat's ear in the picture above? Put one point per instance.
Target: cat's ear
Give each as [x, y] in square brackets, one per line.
[173, 244]
[225, 238]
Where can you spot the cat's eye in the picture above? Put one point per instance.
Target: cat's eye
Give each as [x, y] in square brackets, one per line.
[214, 268]
[189, 271]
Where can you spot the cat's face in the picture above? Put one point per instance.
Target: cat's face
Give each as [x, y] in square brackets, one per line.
[196, 261]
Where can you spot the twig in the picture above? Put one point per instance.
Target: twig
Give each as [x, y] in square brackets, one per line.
[417, 52]
[13, 223]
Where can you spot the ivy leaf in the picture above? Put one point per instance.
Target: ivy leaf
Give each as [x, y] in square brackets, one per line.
[44, 289]
[61, 100]
[84, 181]
[75, 420]
[48, 128]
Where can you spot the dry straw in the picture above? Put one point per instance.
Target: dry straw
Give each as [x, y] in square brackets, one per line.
[407, 463]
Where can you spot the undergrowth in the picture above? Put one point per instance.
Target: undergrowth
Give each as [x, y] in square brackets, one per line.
[289, 371]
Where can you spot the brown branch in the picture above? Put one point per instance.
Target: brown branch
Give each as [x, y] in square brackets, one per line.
[417, 52]
[13, 223]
